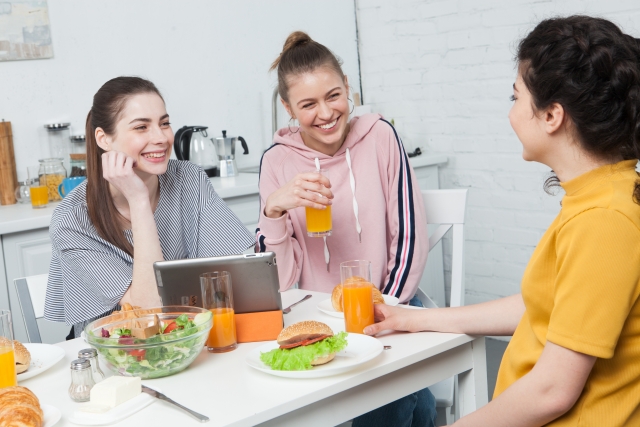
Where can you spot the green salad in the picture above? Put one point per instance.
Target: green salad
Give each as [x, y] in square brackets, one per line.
[157, 356]
[300, 358]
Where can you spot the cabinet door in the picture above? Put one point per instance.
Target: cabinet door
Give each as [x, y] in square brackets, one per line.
[28, 253]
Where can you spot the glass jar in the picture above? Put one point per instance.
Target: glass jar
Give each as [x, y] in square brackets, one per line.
[78, 164]
[58, 134]
[91, 354]
[81, 380]
[51, 173]
[78, 144]
[22, 192]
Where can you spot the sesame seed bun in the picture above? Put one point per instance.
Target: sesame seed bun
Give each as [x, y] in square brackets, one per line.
[322, 360]
[301, 331]
[22, 355]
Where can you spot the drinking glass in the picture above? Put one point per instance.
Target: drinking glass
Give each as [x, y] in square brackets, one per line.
[217, 296]
[319, 220]
[8, 376]
[37, 190]
[357, 295]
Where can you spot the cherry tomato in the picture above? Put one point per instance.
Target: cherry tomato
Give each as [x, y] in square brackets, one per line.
[171, 327]
[138, 353]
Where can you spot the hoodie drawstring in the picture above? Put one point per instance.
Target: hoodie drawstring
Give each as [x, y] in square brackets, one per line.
[352, 181]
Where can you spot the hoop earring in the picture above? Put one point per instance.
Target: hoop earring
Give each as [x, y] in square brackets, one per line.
[289, 126]
[353, 106]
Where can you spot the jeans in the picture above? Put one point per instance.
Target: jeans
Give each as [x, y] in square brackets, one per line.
[415, 410]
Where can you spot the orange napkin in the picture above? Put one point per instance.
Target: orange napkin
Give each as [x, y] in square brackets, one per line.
[261, 326]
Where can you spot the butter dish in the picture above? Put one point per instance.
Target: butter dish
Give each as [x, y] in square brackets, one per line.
[110, 416]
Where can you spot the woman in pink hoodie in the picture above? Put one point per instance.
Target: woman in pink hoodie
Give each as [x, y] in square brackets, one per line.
[377, 209]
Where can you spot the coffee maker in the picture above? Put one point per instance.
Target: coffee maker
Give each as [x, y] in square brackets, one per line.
[226, 149]
[191, 143]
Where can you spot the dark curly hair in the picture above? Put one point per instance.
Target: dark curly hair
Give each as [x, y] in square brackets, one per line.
[591, 68]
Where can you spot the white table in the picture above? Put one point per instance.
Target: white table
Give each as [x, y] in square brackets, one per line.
[225, 388]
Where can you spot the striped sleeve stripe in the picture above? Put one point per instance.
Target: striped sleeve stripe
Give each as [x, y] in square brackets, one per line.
[406, 226]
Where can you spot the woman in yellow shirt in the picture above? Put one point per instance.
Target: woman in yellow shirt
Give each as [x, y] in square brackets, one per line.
[574, 356]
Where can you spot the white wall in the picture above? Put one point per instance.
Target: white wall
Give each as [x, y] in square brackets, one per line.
[209, 58]
[443, 70]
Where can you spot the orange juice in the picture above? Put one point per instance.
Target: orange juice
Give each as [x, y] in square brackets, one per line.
[223, 332]
[39, 196]
[357, 298]
[7, 368]
[318, 220]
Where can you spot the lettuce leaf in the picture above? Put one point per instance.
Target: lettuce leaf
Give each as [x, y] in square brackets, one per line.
[300, 358]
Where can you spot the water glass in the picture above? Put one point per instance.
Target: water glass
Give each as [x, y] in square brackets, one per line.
[217, 296]
[319, 220]
[37, 190]
[357, 295]
[8, 377]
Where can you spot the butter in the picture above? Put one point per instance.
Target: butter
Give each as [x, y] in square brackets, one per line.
[115, 390]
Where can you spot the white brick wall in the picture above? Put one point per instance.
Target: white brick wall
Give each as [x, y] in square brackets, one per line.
[443, 70]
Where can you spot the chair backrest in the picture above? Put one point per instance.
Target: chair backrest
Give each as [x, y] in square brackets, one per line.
[31, 293]
[447, 209]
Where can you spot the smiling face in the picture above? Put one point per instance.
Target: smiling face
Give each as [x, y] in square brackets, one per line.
[318, 100]
[143, 132]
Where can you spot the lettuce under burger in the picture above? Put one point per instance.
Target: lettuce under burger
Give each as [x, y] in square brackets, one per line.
[304, 345]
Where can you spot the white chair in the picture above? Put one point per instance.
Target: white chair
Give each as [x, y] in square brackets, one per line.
[31, 293]
[446, 208]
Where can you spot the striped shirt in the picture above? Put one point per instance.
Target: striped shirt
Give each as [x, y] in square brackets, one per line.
[88, 275]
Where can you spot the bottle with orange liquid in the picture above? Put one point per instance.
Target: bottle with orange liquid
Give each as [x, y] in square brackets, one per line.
[357, 295]
[217, 296]
[8, 376]
[319, 220]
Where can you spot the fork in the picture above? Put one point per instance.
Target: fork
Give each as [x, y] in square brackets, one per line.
[288, 309]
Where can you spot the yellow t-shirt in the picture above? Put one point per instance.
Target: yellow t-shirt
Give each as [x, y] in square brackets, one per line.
[581, 291]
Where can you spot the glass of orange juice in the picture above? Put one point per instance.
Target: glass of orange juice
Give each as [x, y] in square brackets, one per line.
[37, 189]
[357, 295]
[217, 296]
[319, 220]
[8, 376]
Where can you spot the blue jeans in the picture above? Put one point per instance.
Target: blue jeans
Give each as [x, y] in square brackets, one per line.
[415, 410]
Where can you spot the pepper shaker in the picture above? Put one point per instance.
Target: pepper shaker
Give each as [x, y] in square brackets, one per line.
[81, 380]
[91, 354]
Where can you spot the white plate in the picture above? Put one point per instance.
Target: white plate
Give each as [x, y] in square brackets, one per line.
[114, 415]
[51, 415]
[326, 307]
[43, 356]
[360, 349]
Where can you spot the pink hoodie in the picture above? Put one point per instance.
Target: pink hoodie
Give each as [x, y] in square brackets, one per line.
[390, 211]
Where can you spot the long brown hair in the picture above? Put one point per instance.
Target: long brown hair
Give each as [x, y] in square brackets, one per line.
[300, 54]
[108, 103]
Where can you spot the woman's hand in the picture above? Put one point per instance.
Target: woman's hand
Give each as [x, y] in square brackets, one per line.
[117, 169]
[395, 318]
[306, 189]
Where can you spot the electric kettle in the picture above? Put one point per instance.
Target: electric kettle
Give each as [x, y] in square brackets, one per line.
[191, 143]
[226, 149]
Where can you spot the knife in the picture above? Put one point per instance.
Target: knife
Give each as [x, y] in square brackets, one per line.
[158, 395]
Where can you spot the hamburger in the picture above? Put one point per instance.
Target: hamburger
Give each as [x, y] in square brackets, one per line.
[304, 345]
[21, 355]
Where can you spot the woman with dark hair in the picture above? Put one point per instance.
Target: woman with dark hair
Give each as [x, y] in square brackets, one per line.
[376, 206]
[573, 358]
[135, 208]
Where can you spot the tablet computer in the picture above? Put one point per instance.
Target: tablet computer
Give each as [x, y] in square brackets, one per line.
[254, 280]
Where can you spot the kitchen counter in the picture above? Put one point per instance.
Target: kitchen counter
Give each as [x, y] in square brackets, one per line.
[22, 217]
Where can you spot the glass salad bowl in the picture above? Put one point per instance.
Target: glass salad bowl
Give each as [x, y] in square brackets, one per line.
[137, 344]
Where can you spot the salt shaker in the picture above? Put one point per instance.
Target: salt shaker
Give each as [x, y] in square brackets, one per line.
[81, 380]
[91, 354]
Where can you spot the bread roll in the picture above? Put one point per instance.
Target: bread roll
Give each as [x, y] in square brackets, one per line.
[22, 356]
[336, 295]
[19, 407]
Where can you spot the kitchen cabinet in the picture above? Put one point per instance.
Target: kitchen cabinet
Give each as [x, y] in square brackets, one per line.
[26, 248]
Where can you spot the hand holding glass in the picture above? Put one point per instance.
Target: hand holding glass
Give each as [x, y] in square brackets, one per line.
[357, 295]
[217, 296]
[319, 220]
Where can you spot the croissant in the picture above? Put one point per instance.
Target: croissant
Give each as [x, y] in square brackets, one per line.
[19, 407]
[336, 295]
